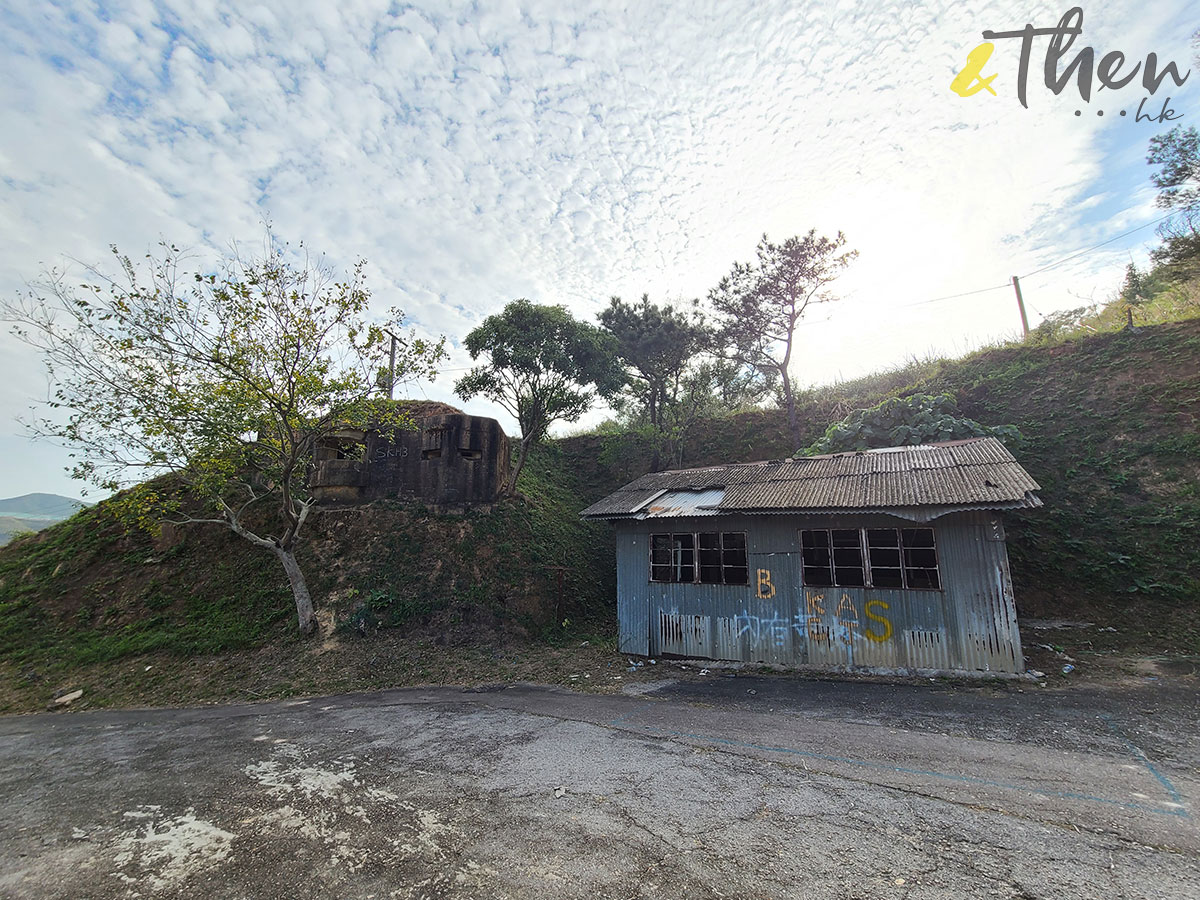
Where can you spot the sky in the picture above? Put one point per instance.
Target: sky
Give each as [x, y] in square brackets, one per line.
[568, 152]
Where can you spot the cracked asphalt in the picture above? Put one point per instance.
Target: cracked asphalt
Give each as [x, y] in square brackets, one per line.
[702, 787]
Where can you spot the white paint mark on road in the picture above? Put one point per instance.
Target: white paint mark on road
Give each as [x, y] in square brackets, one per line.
[163, 852]
[287, 774]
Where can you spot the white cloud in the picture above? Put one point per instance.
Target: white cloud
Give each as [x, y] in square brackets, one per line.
[568, 153]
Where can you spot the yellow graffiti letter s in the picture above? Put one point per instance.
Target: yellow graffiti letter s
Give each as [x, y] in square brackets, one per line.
[971, 80]
[887, 625]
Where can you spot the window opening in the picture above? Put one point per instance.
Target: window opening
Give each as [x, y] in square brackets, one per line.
[709, 557]
[683, 560]
[883, 553]
[734, 563]
[350, 449]
[816, 558]
[869, 557]
[660, 557]
[433, 443]
[848, 568]
[920, 558]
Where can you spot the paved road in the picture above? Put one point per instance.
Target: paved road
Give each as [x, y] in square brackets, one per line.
[710, 787]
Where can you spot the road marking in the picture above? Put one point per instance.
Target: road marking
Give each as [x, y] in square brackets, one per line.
[1177, 800]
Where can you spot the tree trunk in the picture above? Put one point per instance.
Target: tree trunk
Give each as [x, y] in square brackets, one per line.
[512, 485]
[304, 604]
[790, 401]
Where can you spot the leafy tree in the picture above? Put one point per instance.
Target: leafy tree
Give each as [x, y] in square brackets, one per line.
[226, 379]
[1135, 288]
[543, 366]
[901, 421]
[657, 344]
[674, 381]
[759, 304]
[1178, 181]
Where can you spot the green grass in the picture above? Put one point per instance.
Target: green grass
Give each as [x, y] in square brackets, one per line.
[67, 597]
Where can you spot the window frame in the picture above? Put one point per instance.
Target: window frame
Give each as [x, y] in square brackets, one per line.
[864, 549]
[676, 564]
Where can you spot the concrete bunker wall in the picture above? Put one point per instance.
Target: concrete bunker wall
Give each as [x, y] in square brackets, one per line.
[447, 460]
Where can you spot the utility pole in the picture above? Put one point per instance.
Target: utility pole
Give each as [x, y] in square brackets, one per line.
[1021, 306]
[391, 384]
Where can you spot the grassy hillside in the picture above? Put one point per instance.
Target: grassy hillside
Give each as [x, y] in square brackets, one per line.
[1112, 436]
[90, 591]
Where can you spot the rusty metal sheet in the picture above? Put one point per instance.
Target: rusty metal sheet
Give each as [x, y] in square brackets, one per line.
[685, 503]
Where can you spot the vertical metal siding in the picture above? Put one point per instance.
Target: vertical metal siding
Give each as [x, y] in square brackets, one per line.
[633, 601]
[968, 625]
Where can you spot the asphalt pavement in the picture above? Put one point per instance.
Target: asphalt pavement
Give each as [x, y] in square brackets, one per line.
[710, 786]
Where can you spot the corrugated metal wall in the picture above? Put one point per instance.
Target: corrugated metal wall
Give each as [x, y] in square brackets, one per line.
[968, 625]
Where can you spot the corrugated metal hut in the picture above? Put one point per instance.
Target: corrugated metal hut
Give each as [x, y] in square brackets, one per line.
[886, 560]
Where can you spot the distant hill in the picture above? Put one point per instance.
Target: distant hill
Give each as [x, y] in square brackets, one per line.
[52, 507]
[12, 525]
[33, 512]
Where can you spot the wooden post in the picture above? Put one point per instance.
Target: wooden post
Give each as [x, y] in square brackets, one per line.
[1021, 306]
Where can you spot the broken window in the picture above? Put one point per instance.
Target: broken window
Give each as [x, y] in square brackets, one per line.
[883, 552]
[468, 453]
[920, 559]
[848, 568]
[869, 557]
[734, 565]
[816, 558]
[683, 560]
[660, 557]
[710, 557]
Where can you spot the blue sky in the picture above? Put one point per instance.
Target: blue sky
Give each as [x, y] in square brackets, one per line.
[567, 152]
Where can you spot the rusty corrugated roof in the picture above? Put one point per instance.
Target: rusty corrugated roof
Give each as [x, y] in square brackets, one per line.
[979, 472]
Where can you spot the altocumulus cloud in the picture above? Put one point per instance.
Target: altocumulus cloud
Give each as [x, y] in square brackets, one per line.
[565, 151]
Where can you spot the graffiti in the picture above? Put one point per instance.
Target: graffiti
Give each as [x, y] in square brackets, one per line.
[771, 630]
[847, 619]
[766, 590]
[884, 621]
[391, 451]
[810, 623]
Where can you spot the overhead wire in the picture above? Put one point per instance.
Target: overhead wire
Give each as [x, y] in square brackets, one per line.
[1044, 268]
[1096, 247]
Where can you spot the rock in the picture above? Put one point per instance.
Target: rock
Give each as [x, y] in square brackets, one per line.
[559, 792]
[66, 699]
